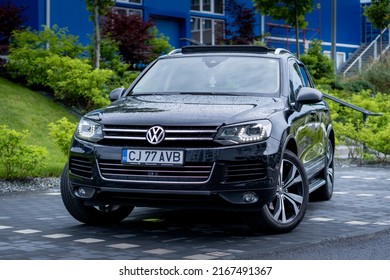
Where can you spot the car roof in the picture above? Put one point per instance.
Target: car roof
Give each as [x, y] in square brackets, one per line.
[230, 49]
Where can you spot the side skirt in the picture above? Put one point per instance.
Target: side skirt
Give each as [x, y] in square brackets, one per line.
[316, 184]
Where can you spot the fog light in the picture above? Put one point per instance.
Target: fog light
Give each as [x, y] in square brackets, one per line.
[84, 192]
[81, 192]
[250, 197]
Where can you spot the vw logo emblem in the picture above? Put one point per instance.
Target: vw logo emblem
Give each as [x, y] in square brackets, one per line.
[155, 135]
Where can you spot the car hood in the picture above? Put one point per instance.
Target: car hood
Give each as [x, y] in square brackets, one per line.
[188, 109]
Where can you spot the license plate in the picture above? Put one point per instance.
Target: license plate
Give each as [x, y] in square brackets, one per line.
[152, 157]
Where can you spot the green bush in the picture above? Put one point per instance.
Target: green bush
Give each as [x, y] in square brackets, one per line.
[379, 75]
[70, 79]
[319, 65]
[54, 40]
[17, 159]
[112, 60]
[58, 69]
[61, 132]
[358, 85]
[48, 59]
[75, 82]
[353, 131]
[28, 66]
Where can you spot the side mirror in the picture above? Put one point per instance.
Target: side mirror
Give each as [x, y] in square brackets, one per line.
[116, 94]
[308, 95]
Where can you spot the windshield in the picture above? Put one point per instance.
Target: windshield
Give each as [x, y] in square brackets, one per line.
[212, 74]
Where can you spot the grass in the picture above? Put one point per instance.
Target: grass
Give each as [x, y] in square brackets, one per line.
[22, 108]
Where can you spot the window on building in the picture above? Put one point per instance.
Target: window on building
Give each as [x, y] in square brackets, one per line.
[218, 6]
[208, 6]
[126, 11]
[195, 5]
[341, 58]
[130, 1]
[207, 31]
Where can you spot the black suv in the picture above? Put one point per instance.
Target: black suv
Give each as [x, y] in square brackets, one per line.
[237, 128]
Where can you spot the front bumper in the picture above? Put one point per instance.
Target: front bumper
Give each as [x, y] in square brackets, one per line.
[214, 178]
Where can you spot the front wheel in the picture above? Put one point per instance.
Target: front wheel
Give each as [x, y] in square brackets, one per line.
[93, 215]
[287, 209]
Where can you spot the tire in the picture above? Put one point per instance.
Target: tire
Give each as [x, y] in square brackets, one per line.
[326, 191]
[99, 215]
[286, 211]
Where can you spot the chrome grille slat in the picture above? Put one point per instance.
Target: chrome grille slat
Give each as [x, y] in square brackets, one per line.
[160, 177]
[126, 130]
[120, 165]
[152, 170]
[188, 139]
[177, 133]
[190, 131]
[125, 138]
[192, 173]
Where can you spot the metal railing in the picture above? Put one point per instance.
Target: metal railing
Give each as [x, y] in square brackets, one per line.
[364, 112]
[370, 54]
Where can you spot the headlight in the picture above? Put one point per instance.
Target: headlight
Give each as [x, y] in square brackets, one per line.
[89, 130]
[244, 133]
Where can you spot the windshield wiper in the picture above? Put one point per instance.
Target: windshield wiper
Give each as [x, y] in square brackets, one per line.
[196, 93]
[208, 93]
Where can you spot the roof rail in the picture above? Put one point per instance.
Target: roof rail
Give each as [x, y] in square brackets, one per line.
[174, 51]
[224, 48]
[281, 50]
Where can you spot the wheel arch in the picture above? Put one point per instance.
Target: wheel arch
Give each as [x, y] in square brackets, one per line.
[331, 136]
[291, 145]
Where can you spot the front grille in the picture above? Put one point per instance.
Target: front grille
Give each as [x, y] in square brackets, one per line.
[245, 171]
[133, 135]
[80, 166]
[189, 173]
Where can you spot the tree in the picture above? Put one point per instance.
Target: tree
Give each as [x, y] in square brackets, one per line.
[97, 8]
[158, 43]
[131, 33]
[292, 11]
[11, 19]
[241, 30]
[379, 14]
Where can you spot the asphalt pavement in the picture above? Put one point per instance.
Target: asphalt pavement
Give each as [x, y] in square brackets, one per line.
[35, 225]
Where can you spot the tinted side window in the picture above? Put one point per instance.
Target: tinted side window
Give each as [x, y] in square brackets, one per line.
[305, 76]
[295, 79]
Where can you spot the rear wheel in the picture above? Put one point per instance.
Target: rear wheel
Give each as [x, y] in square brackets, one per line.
[287, 209]
[326, 191]
[94, 215]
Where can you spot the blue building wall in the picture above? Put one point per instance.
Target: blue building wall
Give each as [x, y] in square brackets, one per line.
[172, 18]
[73, 15]
[33, 11]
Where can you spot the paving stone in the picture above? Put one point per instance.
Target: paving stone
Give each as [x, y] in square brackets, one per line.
[123, 246]
[159, 251]
[89, 240]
